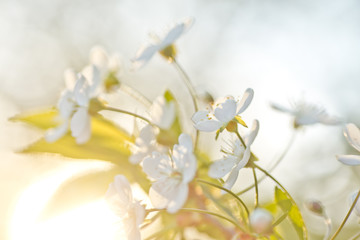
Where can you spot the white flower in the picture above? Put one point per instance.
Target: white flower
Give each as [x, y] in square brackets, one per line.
[171, 175]
[352, 135]
[74, 103]
[145, 53]
[307, 114]
[145, 144]
[235, 159]
[222, 112]
[120, 199]
[163, 112]
[261, 221]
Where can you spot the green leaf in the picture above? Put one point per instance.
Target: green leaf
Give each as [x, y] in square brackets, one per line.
[288, 205]
[107, 143]
[78, 190]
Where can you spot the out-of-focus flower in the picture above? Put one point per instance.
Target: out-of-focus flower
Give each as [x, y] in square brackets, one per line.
[131, 212]
[74, 105]
[145, 144]
[164, 45]
[234, 159]
[171, 174]
[224, 114]
[352, 135]
[109, 66]
[163, 112]
[261, 221]
[307, 114]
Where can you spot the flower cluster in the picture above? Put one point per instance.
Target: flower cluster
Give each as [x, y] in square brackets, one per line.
[179, 175]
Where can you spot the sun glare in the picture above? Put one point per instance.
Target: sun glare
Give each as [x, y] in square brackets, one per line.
[90, 221]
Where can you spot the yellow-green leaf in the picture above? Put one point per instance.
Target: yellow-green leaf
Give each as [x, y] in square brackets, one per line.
[294, 215]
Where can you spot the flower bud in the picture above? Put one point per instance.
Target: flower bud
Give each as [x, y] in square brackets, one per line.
[315, 206]
[261, 221]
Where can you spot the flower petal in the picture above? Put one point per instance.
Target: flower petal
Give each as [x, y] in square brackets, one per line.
[253, 133]
[186, 141]
[222, 167]
[81, 91]
[143, 55]
[230, 181]
[65, 104]
[55, 133]
[226, 111]
[176, 31]
[208, 125]
[92, 75]
[119, 195]
[352, 160]
[70, 79]
[157, 165]
[281, 108]
[245, 101]
[99, 57]
[352, 134]
[80, 125]
[177, 201]
[162, 112]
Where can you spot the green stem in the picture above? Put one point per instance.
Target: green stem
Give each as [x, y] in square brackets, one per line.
[129, 113]
[228, 191]
[135, 94]
[283, 188]
[204, 212]
[271, 168]
[280, 219]
[192, 92]
[346, 217]
[356, 236]
[256, 188]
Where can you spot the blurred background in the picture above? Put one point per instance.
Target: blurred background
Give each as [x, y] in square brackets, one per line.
[284, 50]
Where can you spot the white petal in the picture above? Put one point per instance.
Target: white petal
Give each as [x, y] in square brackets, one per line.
[245, 101]
[66, 104]
[190, 167]
[99, 57]
[70, 79]
[143, 55]
[80, 124]
[157, 165]
[138, 157]
[177, 201]
[119, 195]
[176, 31]
[226, 111]
[253, 133]
[55, 133]
[352, 134]
[81, 91]
[92, 75]
[147, 135]
[245, 159]
[281, 108]
[186, 141]
[200, 116]
[230, 181]
[162, 112]
[222, 167]
[208, 125]
[352, 160]
[159, 192]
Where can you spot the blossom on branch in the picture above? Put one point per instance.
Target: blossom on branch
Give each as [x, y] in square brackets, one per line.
[224, 114]
[171, 175]
[164, 45]
[235, 159]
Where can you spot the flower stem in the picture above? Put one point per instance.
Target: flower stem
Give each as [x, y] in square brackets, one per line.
[274, 165]
[129, 113]
[346, 217]
[228, 191]
[135, 94]
[356, 236]
[192, 92]
[280, 219]
[283, 188]
[256, 188]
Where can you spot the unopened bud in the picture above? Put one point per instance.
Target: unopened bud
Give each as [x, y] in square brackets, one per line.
[315, 206]
[261, 221]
